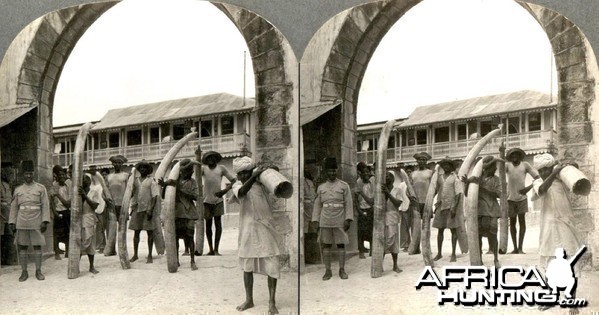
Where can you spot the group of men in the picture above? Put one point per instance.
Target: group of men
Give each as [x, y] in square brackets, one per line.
[330, 206]
[30, 208]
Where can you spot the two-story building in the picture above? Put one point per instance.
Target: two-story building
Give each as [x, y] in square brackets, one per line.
[453, 128]
[149, 131]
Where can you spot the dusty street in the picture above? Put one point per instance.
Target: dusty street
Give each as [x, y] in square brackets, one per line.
[216, 288]
[395, 293]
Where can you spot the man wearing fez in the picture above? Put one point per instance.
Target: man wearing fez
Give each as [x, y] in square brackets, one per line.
[421, 179]
[117, 182]
[333, 213]
[29, 218]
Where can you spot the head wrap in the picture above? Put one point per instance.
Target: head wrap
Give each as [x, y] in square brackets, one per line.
[543, 160]
[490, 160]
[241, 164]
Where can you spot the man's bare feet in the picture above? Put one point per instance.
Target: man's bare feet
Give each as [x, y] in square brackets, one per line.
[57, 257]
[93, 270]
[501, 252]
[361, 255]
[210, 253]
[397, 269]
[272, 309]
[489, 252]
[197, 253]
[134, 258]
[217, 253]
[521, 252]
[328, 274]
[439, 256]
[245, 305]
[574, 311]
[453, 259]
[515, 251]
[414, 253]
[149, 260]
[497, 264]
[193, 266]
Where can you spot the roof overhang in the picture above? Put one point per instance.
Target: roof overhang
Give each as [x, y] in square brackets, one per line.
[9, 115]
[310, 112]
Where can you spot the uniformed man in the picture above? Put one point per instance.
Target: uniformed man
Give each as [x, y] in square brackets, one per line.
[29, 217]
[333, 213]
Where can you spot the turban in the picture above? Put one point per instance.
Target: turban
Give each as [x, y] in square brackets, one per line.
[243, 164]
[543, 160]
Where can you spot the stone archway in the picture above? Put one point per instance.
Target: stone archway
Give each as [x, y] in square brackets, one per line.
[335, 61]
[31, 68]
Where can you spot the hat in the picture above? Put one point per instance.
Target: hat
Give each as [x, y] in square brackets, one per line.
[514, 150]
[209, 153]
[422, 155]
[330, 163]
[117, 158]
[56, 169]
[490, 160]
[361, 166]
[447, 161]
[244, 163]
[543, 160]
[27, 166]
[146, 164]
[187, 163]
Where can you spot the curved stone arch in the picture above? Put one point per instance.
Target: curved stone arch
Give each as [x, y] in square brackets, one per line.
[33, 63]
[356, 35]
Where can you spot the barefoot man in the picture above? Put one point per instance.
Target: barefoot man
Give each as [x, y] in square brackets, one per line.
[116, 182]
[421, 179]
[447, 215]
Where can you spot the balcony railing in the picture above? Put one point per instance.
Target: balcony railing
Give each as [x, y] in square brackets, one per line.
[530, 141]
[235, 144]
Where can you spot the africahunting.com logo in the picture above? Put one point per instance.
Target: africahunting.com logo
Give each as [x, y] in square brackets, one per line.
[529, 288]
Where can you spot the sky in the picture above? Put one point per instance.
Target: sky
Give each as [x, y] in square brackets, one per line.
[144, 51]
[442, 51]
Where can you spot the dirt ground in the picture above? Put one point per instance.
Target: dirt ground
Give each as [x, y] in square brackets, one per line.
[396, 294]
[217, 287]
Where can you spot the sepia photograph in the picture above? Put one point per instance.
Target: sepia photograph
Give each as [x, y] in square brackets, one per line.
[299, 157]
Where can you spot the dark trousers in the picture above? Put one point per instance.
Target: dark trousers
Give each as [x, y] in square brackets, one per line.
[365, 226]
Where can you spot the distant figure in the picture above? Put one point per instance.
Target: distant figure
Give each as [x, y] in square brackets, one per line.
[60, 204]
[333, 213]
[212, 174]
[29, 218]
[392, 203]
[421, 179]
[365, 196]
[516, 170]
[147, 193]
[91, 200]
[116, 182]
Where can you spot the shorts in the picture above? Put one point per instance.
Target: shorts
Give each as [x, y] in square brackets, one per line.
[213, 210]
[184, 227]
[487, 226]
[30, 238]
[443, 219]
[333, 235]
[62, 226]
[517, 207]
[139, 221]
[392, 239]
[268, 266]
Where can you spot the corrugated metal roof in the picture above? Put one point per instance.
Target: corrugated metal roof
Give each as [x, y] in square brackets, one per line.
[309, 112]
[9, 115]
[179, 109]
[472, 108]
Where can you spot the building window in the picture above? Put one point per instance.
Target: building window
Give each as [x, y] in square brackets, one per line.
[206, 128]
[442, 134]
[178, 131]
[462, 132]
[96, 141]
[134, 137]
[154, 134]
[534, 121]
[227, 126]
[486, 126]
[391, 142]
[421, 136]
[113, 140]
